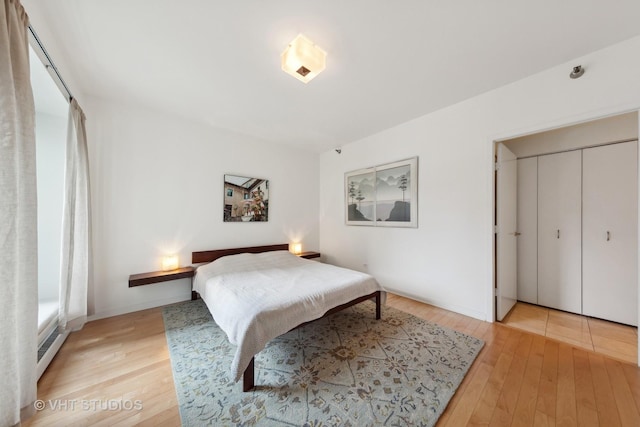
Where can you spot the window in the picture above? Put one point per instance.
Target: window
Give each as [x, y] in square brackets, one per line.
[51, 136]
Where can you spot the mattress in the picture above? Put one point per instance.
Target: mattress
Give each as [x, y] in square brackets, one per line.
[257, 297]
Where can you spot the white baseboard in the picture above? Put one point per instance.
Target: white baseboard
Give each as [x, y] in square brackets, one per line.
[136, 307]
[451, 307]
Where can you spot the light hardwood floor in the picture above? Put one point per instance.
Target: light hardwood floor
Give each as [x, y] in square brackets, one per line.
[609, 338]
[519, 378]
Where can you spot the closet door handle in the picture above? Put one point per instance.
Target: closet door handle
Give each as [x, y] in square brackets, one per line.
[558, 235]
[608, 236]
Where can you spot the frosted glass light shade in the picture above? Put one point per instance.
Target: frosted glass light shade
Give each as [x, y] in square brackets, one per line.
[297, 248]
[169, 262]
[303, 59]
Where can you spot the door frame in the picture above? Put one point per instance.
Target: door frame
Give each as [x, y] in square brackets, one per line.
[556, 124]
[506, 216]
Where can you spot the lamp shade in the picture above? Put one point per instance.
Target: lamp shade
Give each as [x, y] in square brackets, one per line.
[303, 59]
[169, 262]
[297, 248]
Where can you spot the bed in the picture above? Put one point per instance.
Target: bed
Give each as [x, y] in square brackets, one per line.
[258, 293]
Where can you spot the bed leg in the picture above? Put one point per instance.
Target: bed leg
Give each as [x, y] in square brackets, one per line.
[194, 295]
[247, 377]
[378, 298]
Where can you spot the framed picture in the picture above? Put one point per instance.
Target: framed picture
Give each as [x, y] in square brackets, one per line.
[245, 199]
[384, 195]
[361, 196]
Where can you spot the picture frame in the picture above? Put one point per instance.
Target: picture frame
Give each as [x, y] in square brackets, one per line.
[246, 199]
[383, 196]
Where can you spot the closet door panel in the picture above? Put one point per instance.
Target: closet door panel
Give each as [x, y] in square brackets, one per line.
[610, 232]
[528, 229]
[559, 231]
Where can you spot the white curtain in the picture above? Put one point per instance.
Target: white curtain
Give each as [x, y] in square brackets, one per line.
[76, 269]
[18, 221]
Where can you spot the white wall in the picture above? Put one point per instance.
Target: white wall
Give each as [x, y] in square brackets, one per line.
[448, 260]
[611, 129]
[51, 137]
[157, 183]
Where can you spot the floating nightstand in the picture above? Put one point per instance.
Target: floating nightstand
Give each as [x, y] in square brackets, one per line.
[309, 254]
[160, 276]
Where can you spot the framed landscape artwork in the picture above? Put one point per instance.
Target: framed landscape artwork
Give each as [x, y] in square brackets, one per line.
[245, 199]
[384, 195]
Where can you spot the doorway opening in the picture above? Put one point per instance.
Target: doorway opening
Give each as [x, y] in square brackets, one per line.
[566, 183]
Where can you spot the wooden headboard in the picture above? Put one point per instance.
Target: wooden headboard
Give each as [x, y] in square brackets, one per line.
[208, 256]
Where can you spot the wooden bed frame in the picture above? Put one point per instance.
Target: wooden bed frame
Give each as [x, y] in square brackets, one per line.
[248, 377]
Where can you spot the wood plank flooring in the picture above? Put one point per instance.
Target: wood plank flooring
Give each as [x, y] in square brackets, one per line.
[519, 378]
[608, 338]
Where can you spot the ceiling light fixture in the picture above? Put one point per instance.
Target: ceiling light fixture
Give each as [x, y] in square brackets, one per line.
[577, 72]
[303, 59]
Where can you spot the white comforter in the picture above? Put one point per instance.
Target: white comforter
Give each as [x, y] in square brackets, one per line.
[257, 297]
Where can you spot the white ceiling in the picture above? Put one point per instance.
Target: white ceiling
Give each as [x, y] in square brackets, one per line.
[388, 61]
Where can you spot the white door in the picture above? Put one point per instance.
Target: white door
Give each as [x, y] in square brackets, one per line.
[559, 231]
[610, 232]
[528, 229]
[506, 247]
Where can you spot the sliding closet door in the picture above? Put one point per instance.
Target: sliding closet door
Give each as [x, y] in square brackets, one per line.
[610, 232]
[559, 231]
[528, 230]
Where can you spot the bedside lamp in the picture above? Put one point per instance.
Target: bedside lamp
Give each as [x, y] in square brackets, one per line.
[169, 262]
[297, 248]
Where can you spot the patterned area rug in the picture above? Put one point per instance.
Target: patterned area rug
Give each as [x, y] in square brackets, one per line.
[345, 370]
